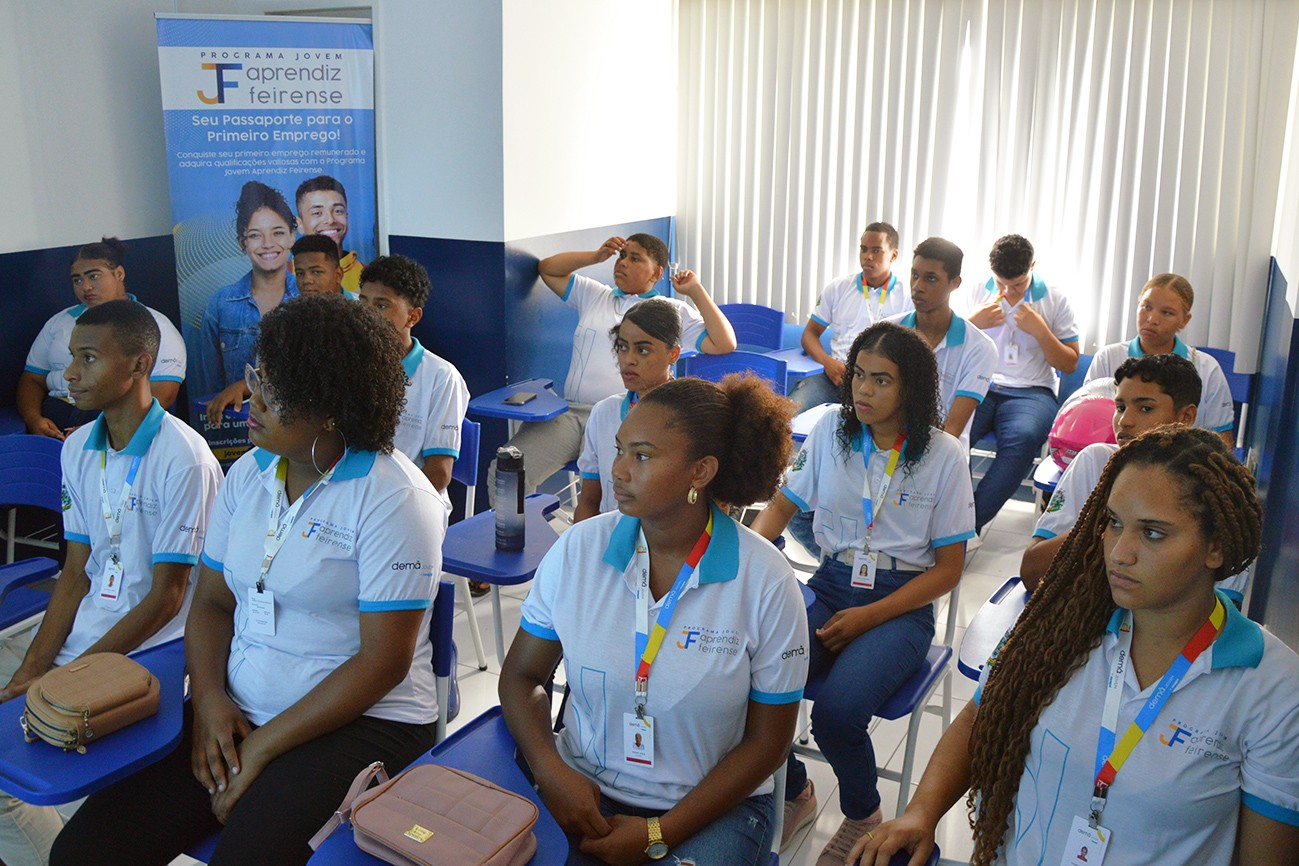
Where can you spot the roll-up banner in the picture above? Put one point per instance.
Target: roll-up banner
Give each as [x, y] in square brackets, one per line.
[270, 137]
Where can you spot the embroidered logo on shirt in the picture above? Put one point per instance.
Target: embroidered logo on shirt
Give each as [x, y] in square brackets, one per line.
[67, 498]
[800, 461]
[1056, 503]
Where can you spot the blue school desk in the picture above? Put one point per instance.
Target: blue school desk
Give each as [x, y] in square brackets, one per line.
[544, 406]
[803, 422]
[798, 365]
[485, 748]
[45, 775]
[993, 620]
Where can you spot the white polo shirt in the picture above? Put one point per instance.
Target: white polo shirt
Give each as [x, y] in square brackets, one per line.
[49, 355]
[165, 519]
[929, 504]
[592, 371]
[850, 306]
[1071, 492]
[368, 541]
[739, 634]
[1228, 736]
[1026, 366]
[1215, 411]
[436, 400]
[966, 359]
[596, 461]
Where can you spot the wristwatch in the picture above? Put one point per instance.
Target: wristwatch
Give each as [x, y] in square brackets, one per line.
[657, 849]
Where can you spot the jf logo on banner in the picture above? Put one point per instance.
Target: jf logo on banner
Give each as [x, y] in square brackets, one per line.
[270, 137]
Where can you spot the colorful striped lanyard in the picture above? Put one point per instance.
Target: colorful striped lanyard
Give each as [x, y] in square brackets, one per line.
[648, 642]
[867, 500]
[884, 291]
[1110, 757]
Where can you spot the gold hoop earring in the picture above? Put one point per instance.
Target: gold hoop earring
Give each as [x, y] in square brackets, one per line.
[693, 496]
[316, 465]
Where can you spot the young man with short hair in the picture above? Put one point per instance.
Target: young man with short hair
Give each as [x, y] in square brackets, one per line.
[138, 485]
[322, 210]
[850, 305]
[316, 266]
[1152, 390]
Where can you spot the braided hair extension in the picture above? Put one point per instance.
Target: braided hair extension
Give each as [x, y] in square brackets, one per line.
[1066, 617]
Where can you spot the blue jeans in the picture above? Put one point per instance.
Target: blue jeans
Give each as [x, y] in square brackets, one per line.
[800, 527]
[1021, 419]
[857, 681]
[741, 837]
[813, 391]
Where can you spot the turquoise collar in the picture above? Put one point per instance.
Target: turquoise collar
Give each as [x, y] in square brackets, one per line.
[1036, 288]
[721, 562]
[410, 363]
[1239, 646]
[140, 442]
[1179, 348]
[75, 312]
[955, 330]
[355, 464]
[619, 293]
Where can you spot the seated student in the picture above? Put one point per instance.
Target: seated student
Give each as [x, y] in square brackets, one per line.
[97, 276]
[1163, 309]
[316, 267]
[592, 374]
[436, 395]
[966, 356]
[309, 657]
[1209, 772]
[1033, 327]
[322, 210]
[715, 705]
[647, 343]
[850, 305]
[893, 509]
[228, 331]
[1153, 390]
[125, 583]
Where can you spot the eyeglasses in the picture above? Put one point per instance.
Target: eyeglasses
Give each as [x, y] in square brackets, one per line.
[253, 379]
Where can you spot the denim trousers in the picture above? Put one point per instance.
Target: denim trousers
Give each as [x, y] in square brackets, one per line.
[813, 391]
[857, 681]
[1021, 418]
[741, 837]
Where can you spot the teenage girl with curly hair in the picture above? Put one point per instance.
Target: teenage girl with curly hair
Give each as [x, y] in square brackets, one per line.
[1127, 634]
[892, 509]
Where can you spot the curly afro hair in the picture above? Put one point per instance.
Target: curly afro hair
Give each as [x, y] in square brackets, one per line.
[915, 361]
[328, 357]
[741, 422]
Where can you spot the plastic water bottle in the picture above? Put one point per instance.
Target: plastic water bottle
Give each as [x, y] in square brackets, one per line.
[509, 498]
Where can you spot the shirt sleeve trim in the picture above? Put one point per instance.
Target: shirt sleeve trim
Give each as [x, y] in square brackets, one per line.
[183, 558]
[537, 631]
[978, 398]
[1072, 339]
[951, 539]
[759, 697]
[1044, 533]
[211, 563]
[1257, 804]
[1224, 428]
[568, 288]
[794, 498]
[176, 379]
[590, 476]
[37, 370]
[395, 604]
[440, 452]
[77, 537]
[820, 321]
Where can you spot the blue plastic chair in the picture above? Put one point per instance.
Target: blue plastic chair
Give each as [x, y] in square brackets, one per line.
[1241, 385]
[757, 328]
[465, 471]
[998, 614]
[30, 475]
[715, 367]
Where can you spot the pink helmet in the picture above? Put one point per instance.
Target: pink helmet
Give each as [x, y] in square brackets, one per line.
[1082, 422]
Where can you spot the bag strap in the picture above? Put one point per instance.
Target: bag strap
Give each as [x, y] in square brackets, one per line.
[344, 813]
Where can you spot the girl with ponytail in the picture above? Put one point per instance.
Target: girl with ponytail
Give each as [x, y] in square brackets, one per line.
[683, 636]
[1128, 619]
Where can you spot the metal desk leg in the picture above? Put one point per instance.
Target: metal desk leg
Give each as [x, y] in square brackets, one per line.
[496, 621]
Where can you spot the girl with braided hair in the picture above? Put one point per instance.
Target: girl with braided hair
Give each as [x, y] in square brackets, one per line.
[1132, 709]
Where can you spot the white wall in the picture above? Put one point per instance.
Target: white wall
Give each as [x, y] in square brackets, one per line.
[589, 105]
[1285, 236]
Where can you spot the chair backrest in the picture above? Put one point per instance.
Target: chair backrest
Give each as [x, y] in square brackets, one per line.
[1238, 383]
[30, 473]
[715, 367]
[465, 467]
[440, 635]
[1070, 382]
[756, 327]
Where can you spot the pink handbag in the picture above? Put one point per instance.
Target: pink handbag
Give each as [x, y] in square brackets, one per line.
[430, 815]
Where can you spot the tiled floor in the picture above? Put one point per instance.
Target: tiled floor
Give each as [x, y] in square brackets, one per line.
[986, 569]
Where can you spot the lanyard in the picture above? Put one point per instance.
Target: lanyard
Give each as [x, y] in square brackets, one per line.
[867, 500]
[647, 642]
[1110, 757]
[113, 516]
[277, 530]
[884, 291]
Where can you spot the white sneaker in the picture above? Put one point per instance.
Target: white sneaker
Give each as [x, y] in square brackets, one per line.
[799, 812]
[836, 851]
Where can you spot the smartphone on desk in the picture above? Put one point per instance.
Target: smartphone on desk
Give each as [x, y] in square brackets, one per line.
[520, 397]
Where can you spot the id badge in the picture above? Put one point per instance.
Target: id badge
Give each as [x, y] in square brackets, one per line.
[1012, 353]
[863, 568]
[638, 739]
[261, 611]
[1085, 845]
[110, 583]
